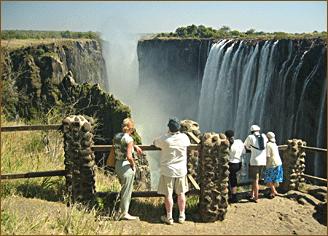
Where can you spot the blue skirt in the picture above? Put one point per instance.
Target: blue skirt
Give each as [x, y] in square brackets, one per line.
[274, 174]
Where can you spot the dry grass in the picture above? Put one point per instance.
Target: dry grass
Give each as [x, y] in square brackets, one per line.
[38, 205]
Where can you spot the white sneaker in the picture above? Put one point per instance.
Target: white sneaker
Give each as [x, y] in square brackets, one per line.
[128, 217]
[181, 220]
[166, 220]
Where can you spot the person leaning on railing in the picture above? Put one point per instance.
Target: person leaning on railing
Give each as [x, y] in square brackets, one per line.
[256, 142]
[125, 166]
[173, 169]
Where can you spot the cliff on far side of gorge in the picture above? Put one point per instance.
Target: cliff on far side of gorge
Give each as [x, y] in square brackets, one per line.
[174, 66]
[30, 73]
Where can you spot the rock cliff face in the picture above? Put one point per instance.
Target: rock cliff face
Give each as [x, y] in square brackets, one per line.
[61, 79]
[34, 71]
[174, 66]
[280, 85]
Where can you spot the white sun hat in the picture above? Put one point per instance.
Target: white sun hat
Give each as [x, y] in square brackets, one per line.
[271, 136]
[255, 128]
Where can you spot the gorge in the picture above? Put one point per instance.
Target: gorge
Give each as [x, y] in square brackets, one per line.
[281, 85]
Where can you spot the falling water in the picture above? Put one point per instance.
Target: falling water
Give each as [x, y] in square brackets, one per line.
[262, 83]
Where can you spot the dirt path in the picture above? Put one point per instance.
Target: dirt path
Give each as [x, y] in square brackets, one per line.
[281, 215]
[286, 214]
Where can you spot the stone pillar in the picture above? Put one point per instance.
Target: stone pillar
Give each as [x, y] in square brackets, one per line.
[214, 176]
[142, 179]
[191, 129]
[79, 158]
[293, 163]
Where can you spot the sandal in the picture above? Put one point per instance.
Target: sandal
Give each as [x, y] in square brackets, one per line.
[252, 200]
[249, 197]
[271, 196]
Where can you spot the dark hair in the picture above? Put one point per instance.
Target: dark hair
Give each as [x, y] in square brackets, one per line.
[229, 133]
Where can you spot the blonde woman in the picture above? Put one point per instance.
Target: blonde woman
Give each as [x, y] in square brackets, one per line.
[125, 166]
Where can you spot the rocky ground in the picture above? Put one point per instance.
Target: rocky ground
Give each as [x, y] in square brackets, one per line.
[293, 213]
[286, 214]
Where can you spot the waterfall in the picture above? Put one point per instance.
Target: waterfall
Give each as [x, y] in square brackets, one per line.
[268, 84]
[320, 132]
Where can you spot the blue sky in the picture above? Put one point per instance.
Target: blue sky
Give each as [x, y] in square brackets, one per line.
[164, 16]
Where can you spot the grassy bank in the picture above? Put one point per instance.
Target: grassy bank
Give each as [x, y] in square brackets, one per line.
[39, 205]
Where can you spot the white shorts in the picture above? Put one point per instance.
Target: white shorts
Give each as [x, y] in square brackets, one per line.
[167, 185]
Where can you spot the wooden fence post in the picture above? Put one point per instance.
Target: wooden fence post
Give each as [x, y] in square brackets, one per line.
[293, 162]
[214, 176]
[79, 158]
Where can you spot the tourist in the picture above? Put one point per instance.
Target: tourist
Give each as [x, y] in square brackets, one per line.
[125, 166]
[236, 149]
[274, 170]
[256, 142]
[173, 169]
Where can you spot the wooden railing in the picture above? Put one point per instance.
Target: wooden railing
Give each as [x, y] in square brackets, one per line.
[107, 148]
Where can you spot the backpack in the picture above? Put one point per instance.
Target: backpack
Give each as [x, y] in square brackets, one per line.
[261, 142]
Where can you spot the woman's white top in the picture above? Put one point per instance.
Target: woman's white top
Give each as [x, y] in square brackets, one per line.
[273, 157]
[237, 149]
[121, 142]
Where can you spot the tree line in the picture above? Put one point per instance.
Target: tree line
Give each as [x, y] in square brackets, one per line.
[193, 31]
[34, 34]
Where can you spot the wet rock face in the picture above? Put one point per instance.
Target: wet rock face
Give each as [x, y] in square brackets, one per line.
[214, 176]
[79, 158]
[173, 67]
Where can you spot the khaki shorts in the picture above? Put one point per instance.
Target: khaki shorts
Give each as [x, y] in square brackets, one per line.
[167, 185]
[255, 172]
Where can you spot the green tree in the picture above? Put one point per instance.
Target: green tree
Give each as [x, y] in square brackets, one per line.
[235, 33]
[66, 34]
[224, 30]
[181, 31]
[192, 30]
[250, 32]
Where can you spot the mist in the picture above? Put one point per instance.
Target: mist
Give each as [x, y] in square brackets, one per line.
[151, 104]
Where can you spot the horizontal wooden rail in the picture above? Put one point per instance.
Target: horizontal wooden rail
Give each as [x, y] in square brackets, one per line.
[311, 149]
[314, 149]
[310, 177]
[104, 148]
[282, 147]
[30, 127]
[34, 174]
[107, 147]
[192, 192]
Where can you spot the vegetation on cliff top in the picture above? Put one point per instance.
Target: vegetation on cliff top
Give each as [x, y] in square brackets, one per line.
[193, 31]
[35, 34]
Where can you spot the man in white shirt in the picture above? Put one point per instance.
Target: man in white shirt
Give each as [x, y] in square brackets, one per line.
[256, 142]
[173, 169]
